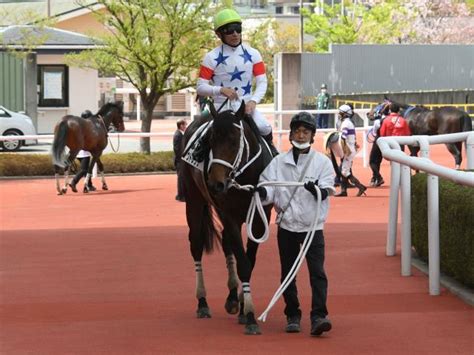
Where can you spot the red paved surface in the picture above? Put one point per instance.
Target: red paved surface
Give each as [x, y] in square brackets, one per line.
[111, 273]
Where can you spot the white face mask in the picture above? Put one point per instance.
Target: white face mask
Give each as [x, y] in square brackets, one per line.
[300, 146]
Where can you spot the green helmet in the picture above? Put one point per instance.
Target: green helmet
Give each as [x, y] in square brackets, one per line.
[226, 16]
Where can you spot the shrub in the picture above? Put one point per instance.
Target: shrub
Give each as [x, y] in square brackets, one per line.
[41, 165]
[456, 226]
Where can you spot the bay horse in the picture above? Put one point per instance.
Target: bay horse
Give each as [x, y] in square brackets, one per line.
[423, 121]
[89, 134]
[234, 154]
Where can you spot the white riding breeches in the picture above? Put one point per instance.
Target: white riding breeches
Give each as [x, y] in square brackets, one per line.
[347, 164]
[261, 121]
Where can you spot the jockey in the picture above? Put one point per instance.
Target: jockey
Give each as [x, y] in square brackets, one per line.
[349, 144]
[227, 72]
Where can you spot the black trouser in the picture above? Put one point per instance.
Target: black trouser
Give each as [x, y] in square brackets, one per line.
[82, 170]
[375, 159]
[177, 165]
[289, 244]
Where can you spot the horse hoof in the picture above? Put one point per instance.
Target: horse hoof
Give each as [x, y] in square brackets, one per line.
[60, 193]
[64, 190]
[203, 312]
[252, 329]
[73, 187]
[85, 190]
[232, 306]
[242, 319]
[105, 187]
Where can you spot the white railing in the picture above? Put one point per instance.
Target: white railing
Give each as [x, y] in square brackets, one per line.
[278, 132]
[401, 180]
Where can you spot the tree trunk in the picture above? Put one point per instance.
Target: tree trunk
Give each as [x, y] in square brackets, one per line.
[146, 127]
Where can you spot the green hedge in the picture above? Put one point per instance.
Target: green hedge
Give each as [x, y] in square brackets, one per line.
[40, 164]
[456, 226]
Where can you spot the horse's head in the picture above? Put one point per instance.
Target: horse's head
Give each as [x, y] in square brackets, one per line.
[380, 110]
[226, 143]
[112, 113]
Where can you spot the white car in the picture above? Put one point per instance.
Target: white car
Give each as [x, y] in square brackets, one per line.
[17, 124]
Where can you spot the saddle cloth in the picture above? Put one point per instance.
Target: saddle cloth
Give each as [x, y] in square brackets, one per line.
[193, 144]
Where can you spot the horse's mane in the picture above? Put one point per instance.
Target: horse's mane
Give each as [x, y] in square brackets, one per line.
[107, 107]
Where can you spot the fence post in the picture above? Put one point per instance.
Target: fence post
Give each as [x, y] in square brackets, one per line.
[433, 234]
[405, 197]
[393, 209]
[470, 151]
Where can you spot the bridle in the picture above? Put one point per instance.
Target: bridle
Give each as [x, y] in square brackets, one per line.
[235, 167]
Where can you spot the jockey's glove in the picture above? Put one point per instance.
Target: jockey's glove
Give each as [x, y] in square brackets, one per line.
[311, 187]
[261, 191]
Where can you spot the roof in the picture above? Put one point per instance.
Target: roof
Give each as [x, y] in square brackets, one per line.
[50, 39]
[24, 12]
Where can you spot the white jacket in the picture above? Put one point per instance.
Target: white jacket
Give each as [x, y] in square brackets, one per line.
[301, 212]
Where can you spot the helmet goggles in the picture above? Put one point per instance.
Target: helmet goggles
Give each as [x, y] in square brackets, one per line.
[231, 28]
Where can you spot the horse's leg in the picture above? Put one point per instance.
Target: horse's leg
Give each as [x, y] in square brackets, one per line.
[244, 270]
[232, 301]
[57, 171]
[455, 149]
[198, 217]
[100, 167]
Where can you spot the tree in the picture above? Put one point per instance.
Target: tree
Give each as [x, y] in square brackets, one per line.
[155, 45]
[381, 23]
[270, 37]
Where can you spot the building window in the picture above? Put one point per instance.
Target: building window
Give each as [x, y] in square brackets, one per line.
[53, 84]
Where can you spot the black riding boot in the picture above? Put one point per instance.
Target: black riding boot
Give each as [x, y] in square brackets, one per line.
[358, 184]
[343, 192]
[269, 139]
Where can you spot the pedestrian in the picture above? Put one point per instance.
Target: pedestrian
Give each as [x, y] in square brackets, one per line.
[296, 209]
[178, 148]
[394, 124]
[228, 71]
[349, 147]
[375, 157]
[323, 103]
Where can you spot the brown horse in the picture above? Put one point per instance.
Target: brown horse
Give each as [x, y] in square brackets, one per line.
[423, 121]
[89, 134]
[234, 155]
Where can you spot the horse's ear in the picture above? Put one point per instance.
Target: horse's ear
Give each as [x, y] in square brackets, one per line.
[241, 111]
[212, 109]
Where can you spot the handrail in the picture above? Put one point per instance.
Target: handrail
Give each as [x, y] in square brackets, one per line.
[401, 180]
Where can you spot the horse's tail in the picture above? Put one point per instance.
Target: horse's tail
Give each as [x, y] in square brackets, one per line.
[59, 144]
[209, 230]
[466, 123]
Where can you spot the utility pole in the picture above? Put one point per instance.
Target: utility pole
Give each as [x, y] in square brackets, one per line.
[301, 26]
[49, 8]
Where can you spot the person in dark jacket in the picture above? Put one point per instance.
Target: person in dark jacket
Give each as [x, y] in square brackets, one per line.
[178, 152]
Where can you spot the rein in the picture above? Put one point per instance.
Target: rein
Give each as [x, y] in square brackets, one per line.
[101, 119]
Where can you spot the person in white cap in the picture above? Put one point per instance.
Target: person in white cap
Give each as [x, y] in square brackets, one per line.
[349, 146]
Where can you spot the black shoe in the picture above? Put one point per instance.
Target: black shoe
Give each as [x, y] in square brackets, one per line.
[341, 194]
[180, 198]
[320, 325]
[293, 324]
[73, 187]
[379, 182]
[91, 188]
[361, 191]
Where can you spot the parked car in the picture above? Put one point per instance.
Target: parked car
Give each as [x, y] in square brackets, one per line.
[17, 124]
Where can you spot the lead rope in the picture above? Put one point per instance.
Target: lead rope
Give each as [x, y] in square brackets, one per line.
[256, 204]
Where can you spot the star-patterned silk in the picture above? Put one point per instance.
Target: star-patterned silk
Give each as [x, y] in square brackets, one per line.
[227, 66]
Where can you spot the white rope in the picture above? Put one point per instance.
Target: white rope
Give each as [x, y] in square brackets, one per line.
[256, 204]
